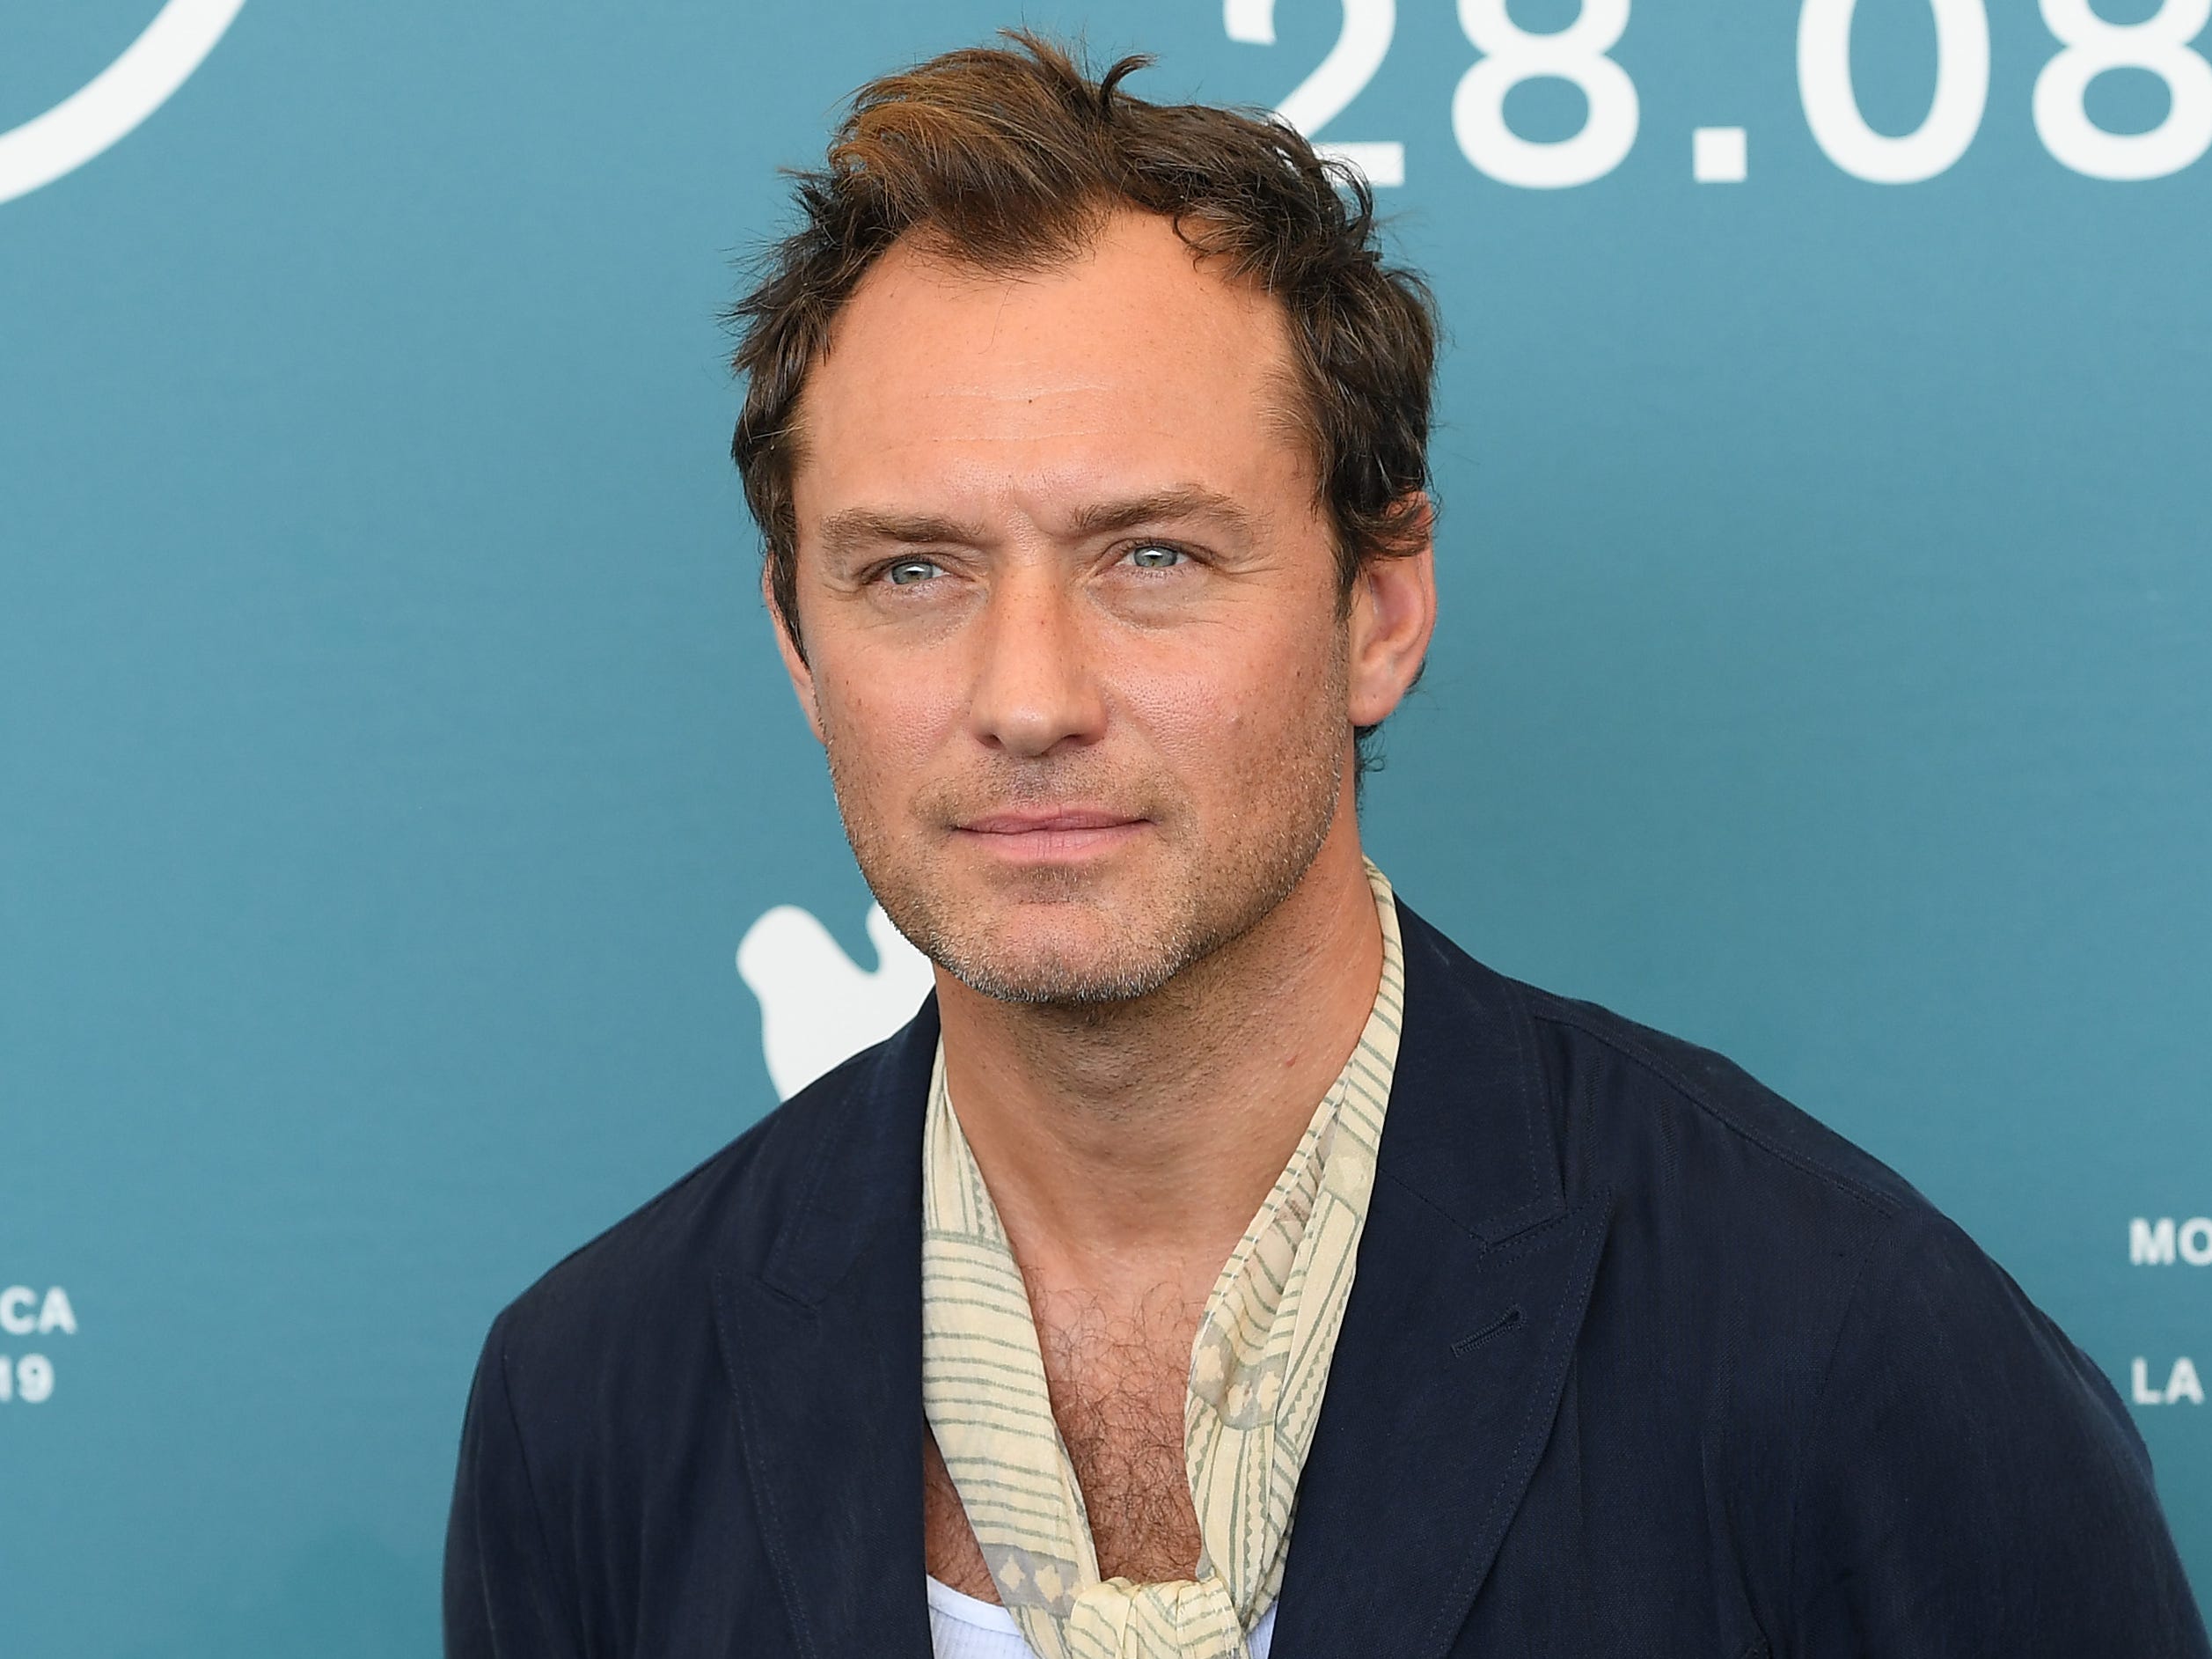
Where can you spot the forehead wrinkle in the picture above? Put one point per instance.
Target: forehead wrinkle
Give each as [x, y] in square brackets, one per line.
[1278, 402]
[1019, 395]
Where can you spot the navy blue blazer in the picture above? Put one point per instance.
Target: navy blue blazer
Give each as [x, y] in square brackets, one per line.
[1640, 1360]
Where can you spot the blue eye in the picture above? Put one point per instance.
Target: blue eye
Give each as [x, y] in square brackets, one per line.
[907, 572]
[1154, 556]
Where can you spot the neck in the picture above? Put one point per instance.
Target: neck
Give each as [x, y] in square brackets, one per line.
[1127, 1147]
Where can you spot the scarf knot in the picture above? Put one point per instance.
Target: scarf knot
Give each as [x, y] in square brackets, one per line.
[1114, 1619]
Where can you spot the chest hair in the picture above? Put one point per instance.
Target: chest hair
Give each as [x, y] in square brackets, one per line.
[1117, 1373]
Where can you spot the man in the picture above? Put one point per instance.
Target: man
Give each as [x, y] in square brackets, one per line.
[1222, 1259]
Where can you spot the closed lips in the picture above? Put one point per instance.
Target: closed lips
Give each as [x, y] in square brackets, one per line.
[1030, 822]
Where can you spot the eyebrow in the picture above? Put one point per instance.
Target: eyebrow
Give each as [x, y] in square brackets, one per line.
[857, 529]
[848, 533]
[1183, 501]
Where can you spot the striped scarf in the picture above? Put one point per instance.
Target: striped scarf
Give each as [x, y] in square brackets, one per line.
[1258, 1366]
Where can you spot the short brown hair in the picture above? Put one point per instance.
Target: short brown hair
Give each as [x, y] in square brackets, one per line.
[1007, 158]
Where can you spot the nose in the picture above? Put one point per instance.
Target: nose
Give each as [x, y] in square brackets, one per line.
[1035, 688]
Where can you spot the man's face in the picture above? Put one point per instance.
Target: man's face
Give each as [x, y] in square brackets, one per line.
[1074, 642]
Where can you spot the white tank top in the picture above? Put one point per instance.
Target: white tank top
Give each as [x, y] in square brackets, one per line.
[962, 1628]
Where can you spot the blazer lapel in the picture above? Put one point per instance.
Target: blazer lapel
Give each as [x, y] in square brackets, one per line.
[824, 1348]
[1473, 1277]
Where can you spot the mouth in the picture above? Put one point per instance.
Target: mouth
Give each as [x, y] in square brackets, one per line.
[1052, 834]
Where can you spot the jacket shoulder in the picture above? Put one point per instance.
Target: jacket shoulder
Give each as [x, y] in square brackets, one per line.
[1754, 1222]
[1619, 1077]
[1901, 1437]
[724, 1214]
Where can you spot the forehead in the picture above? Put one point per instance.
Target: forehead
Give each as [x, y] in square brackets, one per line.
[1130, 364]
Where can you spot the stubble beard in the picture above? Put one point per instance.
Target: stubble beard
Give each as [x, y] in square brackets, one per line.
[1214, 888]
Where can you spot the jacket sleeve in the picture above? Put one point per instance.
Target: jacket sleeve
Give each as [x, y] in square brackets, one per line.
[1971, 1487]
[501, 1597]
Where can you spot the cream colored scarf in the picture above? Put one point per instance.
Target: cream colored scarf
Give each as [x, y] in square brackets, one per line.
[1257, 1368]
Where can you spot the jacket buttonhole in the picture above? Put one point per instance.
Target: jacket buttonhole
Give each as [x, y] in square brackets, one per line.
[1505, 1321]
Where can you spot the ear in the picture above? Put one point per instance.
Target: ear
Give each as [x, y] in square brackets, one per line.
[1393, 615]
[793, 663]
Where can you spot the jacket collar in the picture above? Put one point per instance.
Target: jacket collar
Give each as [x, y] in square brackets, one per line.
[822, 1343]
[1473, 1275]
[863, 1180]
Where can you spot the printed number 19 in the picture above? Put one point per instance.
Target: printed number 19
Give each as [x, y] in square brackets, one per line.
[30, 1378]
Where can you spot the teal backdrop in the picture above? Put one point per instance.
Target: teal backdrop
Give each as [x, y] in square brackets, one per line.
[394, 756]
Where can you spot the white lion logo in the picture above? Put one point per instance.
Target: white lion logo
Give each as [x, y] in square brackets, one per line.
[116, 99]
[818, 1006]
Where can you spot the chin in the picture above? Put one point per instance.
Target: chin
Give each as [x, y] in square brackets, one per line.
[1062, 960]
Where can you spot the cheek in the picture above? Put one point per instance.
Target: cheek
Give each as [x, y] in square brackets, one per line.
[883, 721]
[1237, 700]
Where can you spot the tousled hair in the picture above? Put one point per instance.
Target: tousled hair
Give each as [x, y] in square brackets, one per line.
[1007, 159]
